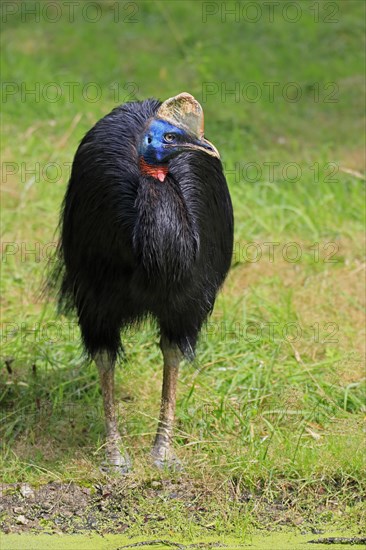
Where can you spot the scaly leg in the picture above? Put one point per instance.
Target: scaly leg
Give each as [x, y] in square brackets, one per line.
[162, 453]
[118, 461]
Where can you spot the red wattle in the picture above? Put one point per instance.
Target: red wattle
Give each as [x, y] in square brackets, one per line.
[157, 172]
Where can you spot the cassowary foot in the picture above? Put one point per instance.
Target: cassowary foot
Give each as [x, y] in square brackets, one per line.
[116, 462]
[164, 458]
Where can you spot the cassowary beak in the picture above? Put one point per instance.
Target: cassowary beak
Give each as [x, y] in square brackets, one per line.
[195, 145]
[185, 112]
[205, 146]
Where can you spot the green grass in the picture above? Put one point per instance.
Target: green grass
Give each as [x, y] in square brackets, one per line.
[268, 407]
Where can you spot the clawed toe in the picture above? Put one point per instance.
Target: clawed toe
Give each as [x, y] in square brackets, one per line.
[118, 469]
[116, 462]
[164, 459]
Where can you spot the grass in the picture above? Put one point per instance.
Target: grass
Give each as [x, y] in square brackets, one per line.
[274, 404]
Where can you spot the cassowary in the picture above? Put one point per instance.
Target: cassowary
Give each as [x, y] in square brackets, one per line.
[146, 231]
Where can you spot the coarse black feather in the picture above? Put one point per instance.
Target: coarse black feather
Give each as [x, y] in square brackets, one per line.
[132, 246]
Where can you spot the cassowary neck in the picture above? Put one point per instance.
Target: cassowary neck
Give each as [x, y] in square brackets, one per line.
[164, 236]
[155, 171]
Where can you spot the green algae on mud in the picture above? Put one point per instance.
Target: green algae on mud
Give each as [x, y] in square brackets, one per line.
[288, 540]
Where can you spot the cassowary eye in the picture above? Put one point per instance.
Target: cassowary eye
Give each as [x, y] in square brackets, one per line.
[169, 138]
[149, 139]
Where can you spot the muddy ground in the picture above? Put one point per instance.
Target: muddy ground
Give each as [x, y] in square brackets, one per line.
[110, 508]
[120, 506]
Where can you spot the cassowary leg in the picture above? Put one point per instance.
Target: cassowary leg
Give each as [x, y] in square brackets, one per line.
[162, 453]
[119, 461]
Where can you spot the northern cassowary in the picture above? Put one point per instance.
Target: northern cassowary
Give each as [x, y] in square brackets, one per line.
[146, 231]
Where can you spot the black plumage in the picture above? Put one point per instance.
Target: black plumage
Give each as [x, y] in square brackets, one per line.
[133, 246]
[140, 239]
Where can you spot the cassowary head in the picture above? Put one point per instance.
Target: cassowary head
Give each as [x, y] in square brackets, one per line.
[177, 127]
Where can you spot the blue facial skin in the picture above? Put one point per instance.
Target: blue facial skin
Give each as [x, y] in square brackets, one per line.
[162, 141]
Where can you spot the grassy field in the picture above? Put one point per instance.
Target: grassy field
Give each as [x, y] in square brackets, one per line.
[269, 417]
